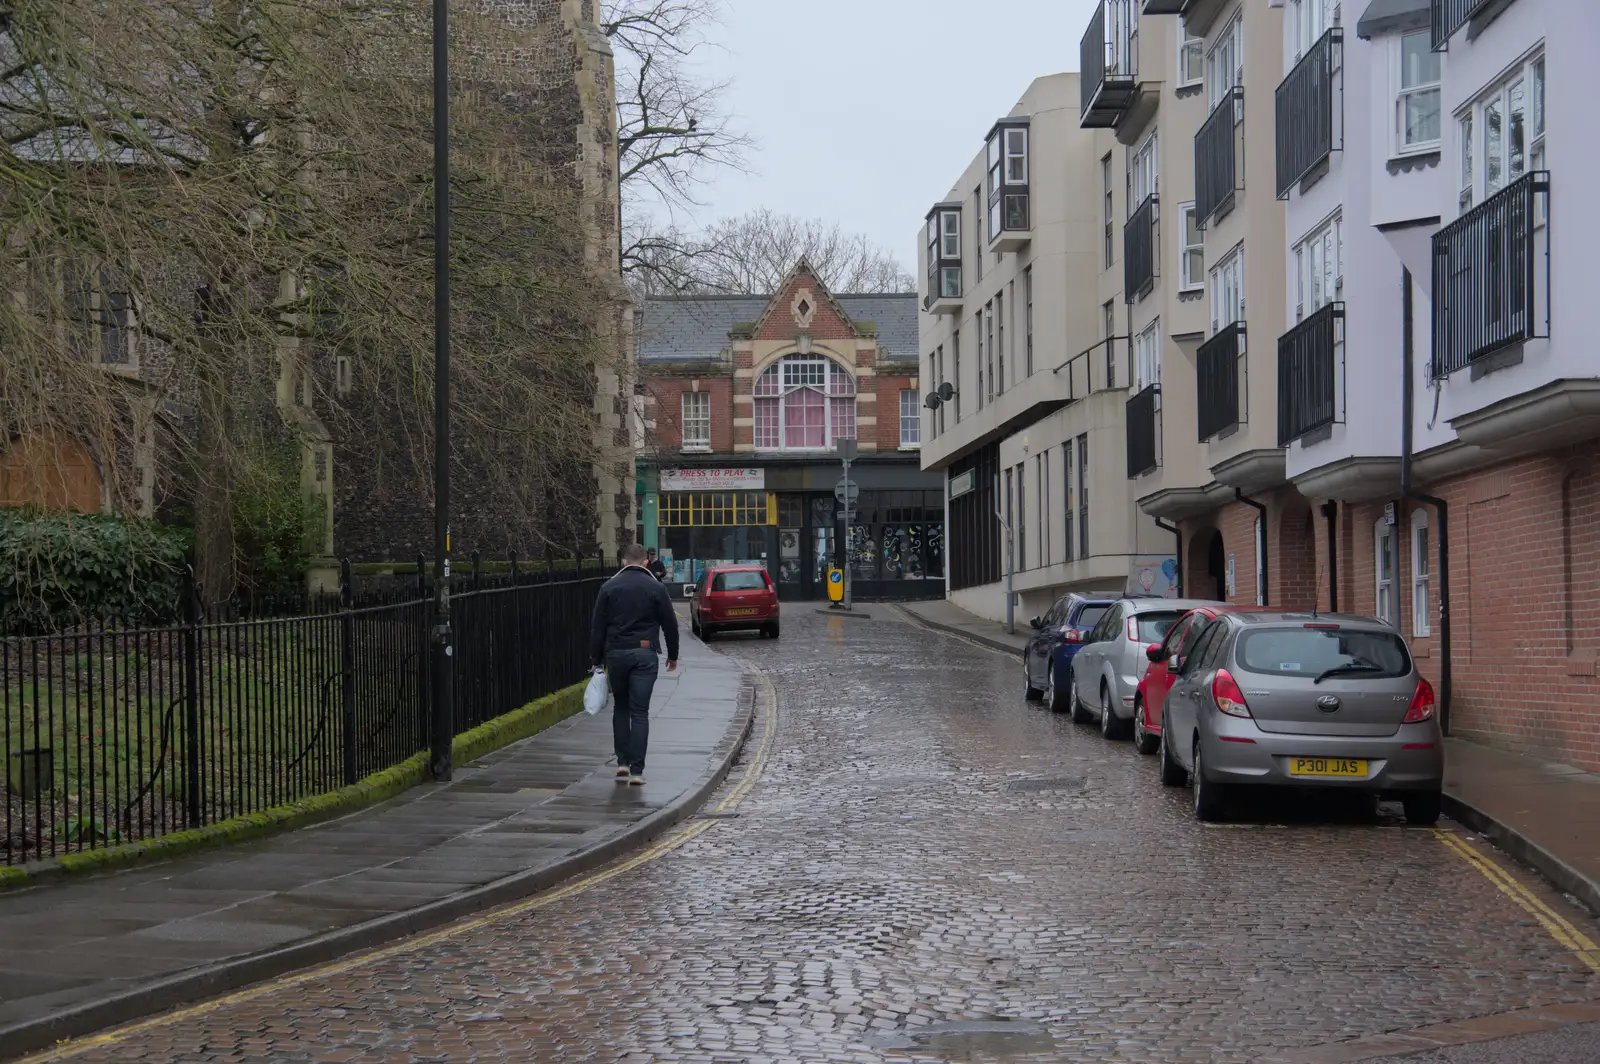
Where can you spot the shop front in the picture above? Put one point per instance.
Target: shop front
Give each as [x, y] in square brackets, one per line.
[783, 515]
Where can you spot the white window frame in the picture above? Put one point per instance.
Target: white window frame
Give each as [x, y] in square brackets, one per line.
[910, 419]
[1191, 51]
[1261, 568]
[1472, 130]
[837, 383]
[1225, 63]
[1190, 280]
[1144, 172]
[1421, 575]
[1311, 19]
[1227, 290]
[950, 235]
[696, 434]
[1403, 92]
[1147, 357]
[1319, 268]
[1016, 153]
[1383, 554]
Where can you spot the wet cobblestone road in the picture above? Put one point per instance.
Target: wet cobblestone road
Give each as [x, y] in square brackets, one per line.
[931, 869]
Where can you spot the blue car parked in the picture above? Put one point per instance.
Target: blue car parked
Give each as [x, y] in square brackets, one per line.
[1047, 659]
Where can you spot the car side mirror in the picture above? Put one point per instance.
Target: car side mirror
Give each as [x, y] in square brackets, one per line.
[1037, 623]
[1153, 652]
[688, 590]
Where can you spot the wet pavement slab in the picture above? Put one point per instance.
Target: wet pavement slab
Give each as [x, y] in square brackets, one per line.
[919, 866]
[537, 802]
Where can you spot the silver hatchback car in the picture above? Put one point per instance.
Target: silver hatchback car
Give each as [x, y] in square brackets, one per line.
[1298, 699]
[1109, 665]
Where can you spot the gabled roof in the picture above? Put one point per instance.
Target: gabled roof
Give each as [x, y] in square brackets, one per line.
[695, 328]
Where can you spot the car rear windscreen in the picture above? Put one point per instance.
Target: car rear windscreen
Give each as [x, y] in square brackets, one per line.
[1356, 653]
[1090, 616]
[739, 582]
[1153, 627]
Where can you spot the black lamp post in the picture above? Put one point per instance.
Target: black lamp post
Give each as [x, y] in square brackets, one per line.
[441, 729]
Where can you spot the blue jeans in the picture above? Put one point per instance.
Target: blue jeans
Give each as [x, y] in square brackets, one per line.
[632, 675]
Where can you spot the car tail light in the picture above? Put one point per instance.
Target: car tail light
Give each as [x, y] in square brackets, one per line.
[1225, 691]
[1070, 634]
[1133, 629]
[1422, 703]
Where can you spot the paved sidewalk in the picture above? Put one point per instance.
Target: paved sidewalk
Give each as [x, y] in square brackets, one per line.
[948, 617]
[82, 954]
[1546, 815]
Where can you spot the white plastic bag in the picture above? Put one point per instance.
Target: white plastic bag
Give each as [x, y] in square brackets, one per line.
[595, 695]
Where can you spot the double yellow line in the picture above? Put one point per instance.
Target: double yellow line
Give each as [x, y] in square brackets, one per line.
[1560, 928]
[747, 782]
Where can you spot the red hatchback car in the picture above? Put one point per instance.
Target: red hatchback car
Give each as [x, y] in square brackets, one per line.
[732, 598]
[1165, 657]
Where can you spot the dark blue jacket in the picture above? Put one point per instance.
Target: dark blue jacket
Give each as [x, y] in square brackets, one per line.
[632, 611]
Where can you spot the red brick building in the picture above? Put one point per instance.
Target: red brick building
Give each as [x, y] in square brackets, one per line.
[743, 401]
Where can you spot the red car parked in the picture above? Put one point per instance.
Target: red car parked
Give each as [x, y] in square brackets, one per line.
[1165, 658]
[734, 597]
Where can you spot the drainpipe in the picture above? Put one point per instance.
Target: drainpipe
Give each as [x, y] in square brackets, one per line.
[1409, 491]
[1178, 554]
[1330, 510]
[1266, 538]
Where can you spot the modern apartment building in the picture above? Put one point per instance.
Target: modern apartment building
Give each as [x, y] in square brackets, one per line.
[1027, 361]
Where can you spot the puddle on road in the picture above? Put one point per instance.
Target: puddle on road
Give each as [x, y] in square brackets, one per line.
[974, 1042]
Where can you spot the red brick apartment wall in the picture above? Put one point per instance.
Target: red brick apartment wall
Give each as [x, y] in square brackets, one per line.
[1525, 598]
[887, 389]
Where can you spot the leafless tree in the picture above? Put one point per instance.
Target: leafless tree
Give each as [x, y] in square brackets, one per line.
[751, 254]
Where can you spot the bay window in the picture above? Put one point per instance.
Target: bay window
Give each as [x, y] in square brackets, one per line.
[1417, 106]
[804, 403]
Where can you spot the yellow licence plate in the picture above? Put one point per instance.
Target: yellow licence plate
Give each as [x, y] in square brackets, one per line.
[1327, 766]
[742, 613]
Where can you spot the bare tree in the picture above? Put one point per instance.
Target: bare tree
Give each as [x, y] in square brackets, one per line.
[751, 254]
[673, 130]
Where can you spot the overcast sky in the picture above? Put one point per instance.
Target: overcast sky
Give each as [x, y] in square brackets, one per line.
[866, 111]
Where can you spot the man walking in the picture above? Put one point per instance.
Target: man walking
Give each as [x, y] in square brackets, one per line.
[631, 613]
[657, 567]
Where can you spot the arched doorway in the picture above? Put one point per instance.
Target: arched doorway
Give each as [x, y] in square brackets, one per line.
[1205, 575]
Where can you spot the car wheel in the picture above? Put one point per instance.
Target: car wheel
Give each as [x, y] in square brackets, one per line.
[694, 623]
[706, 632]
[771, 630]
[1111, 725]
[1422, 807]
[1207, 795]
[1080, 712]
[1052, 694]
[1030, 692]
[1143, 740]
[1172, 773]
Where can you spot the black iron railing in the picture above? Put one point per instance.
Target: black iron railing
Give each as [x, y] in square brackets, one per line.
[1216, 160]
[1308, 373]
[1106, 53]
[1485, 276]
[1097, 368]
[1445, 17]
[113, 735]
[1217, 373]
[1139, 244]
[1305, 111]
[1144, 431]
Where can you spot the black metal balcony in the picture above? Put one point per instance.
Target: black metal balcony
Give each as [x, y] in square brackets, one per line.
[1305, 111]
[1144, 431]
[1216, 159]
[1309, 368]
[1486, 276]
[1107, 82]
[1217, 380]
[1447, 16]
[1139, 254]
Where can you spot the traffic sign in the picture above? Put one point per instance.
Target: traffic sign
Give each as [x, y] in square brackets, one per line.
[847, 491]
[845, 515]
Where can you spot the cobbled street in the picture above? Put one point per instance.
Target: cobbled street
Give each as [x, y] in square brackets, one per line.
[930, 868]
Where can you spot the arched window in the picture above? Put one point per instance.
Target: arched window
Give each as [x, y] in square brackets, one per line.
[804, 403]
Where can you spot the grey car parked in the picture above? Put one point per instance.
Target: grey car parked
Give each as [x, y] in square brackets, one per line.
[1302, 700]
[1107, 668]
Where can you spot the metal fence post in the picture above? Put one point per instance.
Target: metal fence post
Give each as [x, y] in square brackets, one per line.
[347, 656]
[191, 700]
[513, 568]
[477, 571]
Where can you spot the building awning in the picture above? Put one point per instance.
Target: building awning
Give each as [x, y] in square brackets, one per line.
[1392, 16]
